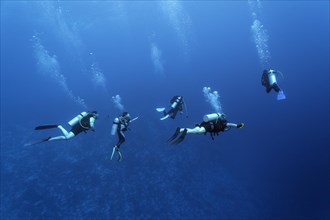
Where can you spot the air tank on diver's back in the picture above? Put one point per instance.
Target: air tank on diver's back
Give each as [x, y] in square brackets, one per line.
[212, 117]
[114, 126]
[76, 119]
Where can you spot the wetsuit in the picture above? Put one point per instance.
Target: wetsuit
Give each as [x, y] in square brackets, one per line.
[265, 82]
[84, 124]
[122, 126]
[214, 127]
[178, 107]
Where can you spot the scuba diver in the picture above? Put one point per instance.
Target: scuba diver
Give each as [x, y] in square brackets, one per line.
[120, 124]
[212, 123]
[268, 80]
[177, 103]
[81, 123]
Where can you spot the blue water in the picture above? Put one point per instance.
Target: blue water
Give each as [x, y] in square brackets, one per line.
[61, 58]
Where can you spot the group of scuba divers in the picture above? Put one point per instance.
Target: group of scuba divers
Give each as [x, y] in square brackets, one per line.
[212, 123]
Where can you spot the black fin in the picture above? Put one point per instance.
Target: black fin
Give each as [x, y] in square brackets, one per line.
[37, 142]
[181, 138]
[177, 131]
[42, 127]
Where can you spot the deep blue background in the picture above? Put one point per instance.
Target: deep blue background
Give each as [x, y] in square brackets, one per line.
[277, 167]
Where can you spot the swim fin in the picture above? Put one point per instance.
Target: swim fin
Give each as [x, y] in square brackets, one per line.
[177, 131]
[37, 142]
[42, 127]
[181, 138]
[160, 109]
[165, 117]
[280, 95]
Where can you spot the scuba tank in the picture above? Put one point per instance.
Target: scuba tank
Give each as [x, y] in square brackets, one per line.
[76, 119]
[114, 126]
[273, 83]
[212, 117]
[175, 103]
[271, 77]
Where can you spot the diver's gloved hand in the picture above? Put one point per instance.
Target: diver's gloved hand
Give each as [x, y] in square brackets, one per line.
[240, 125]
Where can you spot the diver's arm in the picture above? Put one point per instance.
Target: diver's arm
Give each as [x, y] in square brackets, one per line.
[126, 123]
[124, 127]
[232, 125]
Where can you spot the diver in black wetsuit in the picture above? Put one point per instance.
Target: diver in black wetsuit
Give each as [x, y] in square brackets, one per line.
[177, 103]
[269, 81]
[213, 124]
[120, 124]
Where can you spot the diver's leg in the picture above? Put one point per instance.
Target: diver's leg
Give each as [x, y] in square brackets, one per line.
[166, 114]
[116, 148]
[65, 132]
[276, 87]
[185, 131]
[67, 135]
[113, 152]
[119, 155]
[174, 114]
[196, 130]
[169, 112]
[121, 138]
[70, 135]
